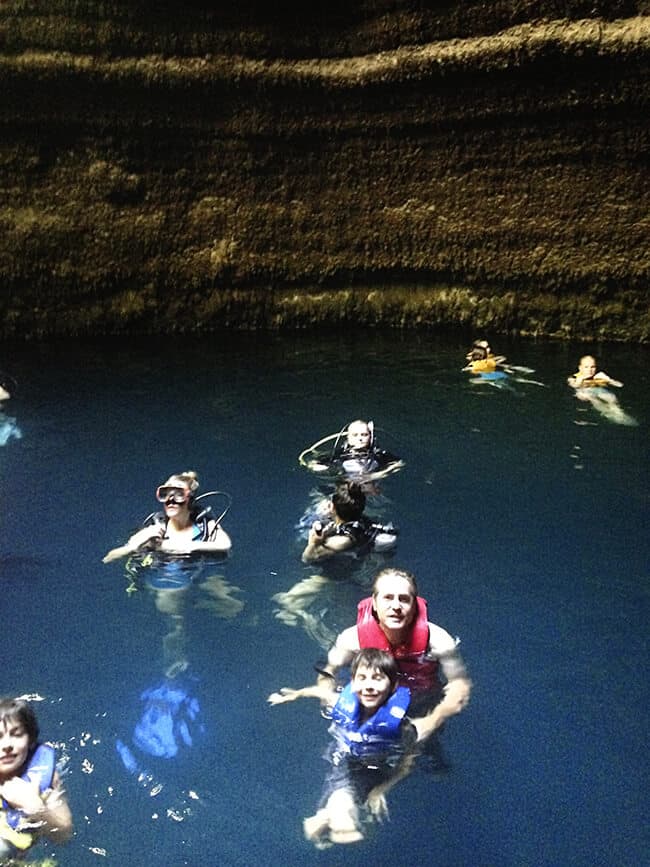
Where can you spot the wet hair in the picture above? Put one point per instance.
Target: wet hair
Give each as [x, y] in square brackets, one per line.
[349, 501]
[479, 351]
[398, 573]
[17, 710]
[377, 660]
[188, 478]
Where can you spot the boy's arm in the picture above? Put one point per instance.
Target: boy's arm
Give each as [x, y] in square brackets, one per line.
[323, 691]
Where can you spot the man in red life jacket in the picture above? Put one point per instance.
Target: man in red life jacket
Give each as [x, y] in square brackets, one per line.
[395, 619]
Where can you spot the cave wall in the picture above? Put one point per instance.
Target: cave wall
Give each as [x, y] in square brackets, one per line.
[169, 166]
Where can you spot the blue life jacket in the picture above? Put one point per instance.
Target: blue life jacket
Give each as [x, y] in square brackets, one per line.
[380, 733]
[40, 768]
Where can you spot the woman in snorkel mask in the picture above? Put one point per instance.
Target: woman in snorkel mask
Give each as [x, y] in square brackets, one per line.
[182, 528]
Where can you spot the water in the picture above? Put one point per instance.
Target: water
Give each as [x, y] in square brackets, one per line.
[522, 512]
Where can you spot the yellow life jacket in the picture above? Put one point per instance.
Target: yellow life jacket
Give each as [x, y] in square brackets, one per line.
[484, 365]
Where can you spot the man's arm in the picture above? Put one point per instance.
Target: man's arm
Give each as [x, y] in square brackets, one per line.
[456, 697]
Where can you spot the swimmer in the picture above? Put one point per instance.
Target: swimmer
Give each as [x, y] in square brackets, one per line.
[33, 801]
[182, 529]
[593, 387]
[481, 359]
[348, 530]
[395, 619]
[7, 386]
[372, 745]
[357, 456]
[586, 377]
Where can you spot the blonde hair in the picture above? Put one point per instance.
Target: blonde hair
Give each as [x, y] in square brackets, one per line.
[188, 478]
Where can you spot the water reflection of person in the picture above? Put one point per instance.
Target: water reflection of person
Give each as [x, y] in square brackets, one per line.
[178, 530]
[33, 802]
[372, 745]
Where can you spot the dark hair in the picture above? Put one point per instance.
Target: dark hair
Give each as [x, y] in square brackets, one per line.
[18, 710]
[349, 501]
[399, 573]
[381, 660]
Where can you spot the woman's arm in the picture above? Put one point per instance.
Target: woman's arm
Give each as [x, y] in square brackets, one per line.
[137, 540]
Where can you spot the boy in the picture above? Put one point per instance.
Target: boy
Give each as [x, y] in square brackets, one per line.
[372, 746]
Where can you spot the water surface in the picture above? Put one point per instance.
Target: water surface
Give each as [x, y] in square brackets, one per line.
[522, 512]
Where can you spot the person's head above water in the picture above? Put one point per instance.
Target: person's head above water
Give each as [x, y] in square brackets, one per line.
[587, 366]
[349, 501]
[180, 488]
[394, 598]
[374, 676]
[359, 435]
[18, 735]
[479, 351]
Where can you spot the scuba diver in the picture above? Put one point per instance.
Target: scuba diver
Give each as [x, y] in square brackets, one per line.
[354, 454]
[184, 527]
[33, 803]
[348, 530]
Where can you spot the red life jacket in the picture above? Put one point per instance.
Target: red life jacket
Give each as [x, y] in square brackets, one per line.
[416, 670]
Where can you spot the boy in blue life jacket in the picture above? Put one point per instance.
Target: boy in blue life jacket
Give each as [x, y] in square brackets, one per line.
[372, 745]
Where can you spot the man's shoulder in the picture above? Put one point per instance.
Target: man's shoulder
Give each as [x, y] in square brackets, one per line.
[440, 641]
[348, 639]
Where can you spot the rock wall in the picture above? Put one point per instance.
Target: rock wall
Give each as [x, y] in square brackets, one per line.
[415, 164]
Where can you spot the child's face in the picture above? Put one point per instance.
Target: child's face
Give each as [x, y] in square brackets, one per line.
[358, 436]
[587, 365]
[14, 748]
[371, 686]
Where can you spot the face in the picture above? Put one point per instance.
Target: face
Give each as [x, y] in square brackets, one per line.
[359, 435]
[14, 748]
[175, 495]
[588, 365]
[394, 602]
[371, 686]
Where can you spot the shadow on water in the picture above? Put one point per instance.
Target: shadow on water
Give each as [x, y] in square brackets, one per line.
[526, 530]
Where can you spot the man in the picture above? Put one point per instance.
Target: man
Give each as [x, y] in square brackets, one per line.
[395, 619]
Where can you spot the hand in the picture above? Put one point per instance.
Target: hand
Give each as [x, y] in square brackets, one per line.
[22, 795]
[377, 805]
[283, 695]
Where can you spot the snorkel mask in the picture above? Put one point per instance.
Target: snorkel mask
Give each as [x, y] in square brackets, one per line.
[172, 494]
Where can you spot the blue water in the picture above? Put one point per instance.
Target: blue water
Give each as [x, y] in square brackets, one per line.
[522, 511]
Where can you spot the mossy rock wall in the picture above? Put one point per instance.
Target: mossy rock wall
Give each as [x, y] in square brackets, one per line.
[167, 166]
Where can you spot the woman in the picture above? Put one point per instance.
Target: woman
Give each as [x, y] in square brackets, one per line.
[182, 529]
